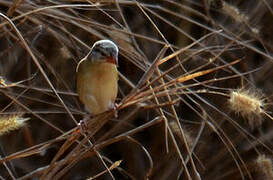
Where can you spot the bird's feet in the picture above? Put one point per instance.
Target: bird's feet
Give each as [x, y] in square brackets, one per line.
[83, 127]
[114, 107]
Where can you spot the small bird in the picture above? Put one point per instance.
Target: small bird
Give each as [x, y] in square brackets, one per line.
[97, 77]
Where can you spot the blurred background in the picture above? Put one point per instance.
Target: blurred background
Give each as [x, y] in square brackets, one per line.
[195, 90]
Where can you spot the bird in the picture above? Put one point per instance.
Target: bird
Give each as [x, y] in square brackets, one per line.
[97, 77]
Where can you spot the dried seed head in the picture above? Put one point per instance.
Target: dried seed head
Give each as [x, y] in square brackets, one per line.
[217, 4]
[265, 166]
[249, 105]
[176, 130]
[12, 122]
[234, 12]
[238, 16]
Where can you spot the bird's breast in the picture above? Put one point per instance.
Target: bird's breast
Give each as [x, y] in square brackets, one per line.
[97, 86]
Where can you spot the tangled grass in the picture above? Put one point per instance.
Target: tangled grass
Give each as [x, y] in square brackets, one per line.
[182, 65]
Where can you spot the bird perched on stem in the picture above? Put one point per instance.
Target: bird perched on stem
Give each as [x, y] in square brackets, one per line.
[97, 77]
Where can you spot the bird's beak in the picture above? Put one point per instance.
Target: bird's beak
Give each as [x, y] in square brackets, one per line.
[112, 60]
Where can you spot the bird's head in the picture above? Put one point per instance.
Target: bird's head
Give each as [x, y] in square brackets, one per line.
[104, 51]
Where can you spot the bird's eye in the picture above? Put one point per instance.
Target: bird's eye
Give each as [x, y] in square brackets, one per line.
[103, 53]
[99, 51]
[96, 50]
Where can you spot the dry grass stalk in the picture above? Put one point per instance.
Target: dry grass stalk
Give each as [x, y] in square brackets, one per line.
[113, 166]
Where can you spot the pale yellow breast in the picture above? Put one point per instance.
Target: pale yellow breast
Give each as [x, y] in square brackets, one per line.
[97, 86]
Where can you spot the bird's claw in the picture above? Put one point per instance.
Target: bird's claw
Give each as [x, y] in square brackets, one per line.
[114, 107]
[83, 127]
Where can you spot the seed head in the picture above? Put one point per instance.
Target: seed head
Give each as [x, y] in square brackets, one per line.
[11, 122]
[265, 166]
[174, 127]
[249, 105]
